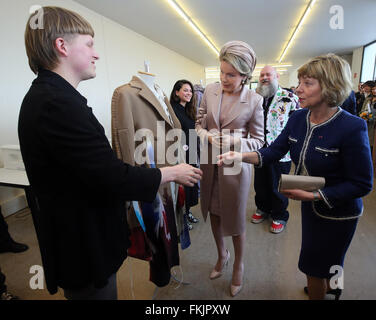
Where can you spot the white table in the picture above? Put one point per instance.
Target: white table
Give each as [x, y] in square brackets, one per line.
[13, 178]
[18, 179]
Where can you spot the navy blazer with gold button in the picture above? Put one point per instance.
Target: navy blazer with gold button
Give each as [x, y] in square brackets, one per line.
[337, 150]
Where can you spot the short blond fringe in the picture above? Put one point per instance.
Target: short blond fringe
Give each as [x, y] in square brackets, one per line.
[333, 74]
[57, 22]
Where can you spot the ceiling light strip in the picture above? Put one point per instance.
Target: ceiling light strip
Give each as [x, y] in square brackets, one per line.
[194, 26]
[305, 14]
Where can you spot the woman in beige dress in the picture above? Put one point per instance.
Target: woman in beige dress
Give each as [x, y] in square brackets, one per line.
[231, 117]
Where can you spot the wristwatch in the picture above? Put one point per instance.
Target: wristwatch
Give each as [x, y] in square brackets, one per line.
[316, 196]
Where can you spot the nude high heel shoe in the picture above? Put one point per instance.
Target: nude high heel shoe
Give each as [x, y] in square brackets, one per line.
[216, 274]
[234, 290]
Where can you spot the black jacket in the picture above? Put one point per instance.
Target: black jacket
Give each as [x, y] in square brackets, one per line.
[79, 184]
[188, 127]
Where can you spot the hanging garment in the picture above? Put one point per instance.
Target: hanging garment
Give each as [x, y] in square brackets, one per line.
[198, 93]
[135, 107]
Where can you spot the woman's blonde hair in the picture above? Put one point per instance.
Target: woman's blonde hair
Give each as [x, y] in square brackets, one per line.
[333, 74]
[40, 40]
[241, 56]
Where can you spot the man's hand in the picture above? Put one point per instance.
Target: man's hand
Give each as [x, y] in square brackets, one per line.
[187, 174]
[184, 174]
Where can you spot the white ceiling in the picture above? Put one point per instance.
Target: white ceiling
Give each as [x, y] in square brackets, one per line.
[265, 24]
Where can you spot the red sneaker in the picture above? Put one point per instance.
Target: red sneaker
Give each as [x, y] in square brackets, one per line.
[258, 217]
[277, 227]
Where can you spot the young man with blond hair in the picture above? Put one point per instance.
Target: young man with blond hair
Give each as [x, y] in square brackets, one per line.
[79, 184]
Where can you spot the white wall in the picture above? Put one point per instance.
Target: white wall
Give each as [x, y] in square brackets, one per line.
[284, 80]
[356, 67]
[348, 58]
[122, 53]
[352, 59]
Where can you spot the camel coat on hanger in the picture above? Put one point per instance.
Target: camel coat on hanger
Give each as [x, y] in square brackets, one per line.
[246, 115]
[135, 107]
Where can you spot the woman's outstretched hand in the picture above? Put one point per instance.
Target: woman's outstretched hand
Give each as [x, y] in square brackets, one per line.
[229, 157]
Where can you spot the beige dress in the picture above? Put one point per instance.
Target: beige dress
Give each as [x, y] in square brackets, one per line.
[221, 194]
[227, 103]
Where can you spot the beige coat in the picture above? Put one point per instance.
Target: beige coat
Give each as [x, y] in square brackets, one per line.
[135, 107]
[247, 116]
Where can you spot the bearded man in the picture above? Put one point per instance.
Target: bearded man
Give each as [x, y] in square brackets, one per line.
[278, 105]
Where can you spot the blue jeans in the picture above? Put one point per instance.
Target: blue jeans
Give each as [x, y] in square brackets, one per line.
[267, 198]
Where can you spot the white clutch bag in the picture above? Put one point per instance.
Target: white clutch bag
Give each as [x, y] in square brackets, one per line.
[306, 183]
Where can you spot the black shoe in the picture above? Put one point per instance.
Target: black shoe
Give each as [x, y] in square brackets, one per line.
[13, 246]
[8, 296]
[190, 227]
[192, 218]
[335, 292]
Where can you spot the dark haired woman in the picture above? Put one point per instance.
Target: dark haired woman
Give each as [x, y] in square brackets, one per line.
[182, 102]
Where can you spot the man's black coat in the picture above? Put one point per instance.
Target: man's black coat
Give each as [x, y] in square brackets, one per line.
[80, 185]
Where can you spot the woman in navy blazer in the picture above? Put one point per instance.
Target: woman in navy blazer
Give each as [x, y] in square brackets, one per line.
[323, 140]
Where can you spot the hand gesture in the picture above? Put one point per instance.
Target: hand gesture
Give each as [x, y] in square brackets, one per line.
[187, 174]
[184, 174]
[229, 157]
[297, 194]
[224, 141]
[200, 115]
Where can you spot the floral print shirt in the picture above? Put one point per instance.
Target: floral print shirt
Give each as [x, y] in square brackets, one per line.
[280, 109]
